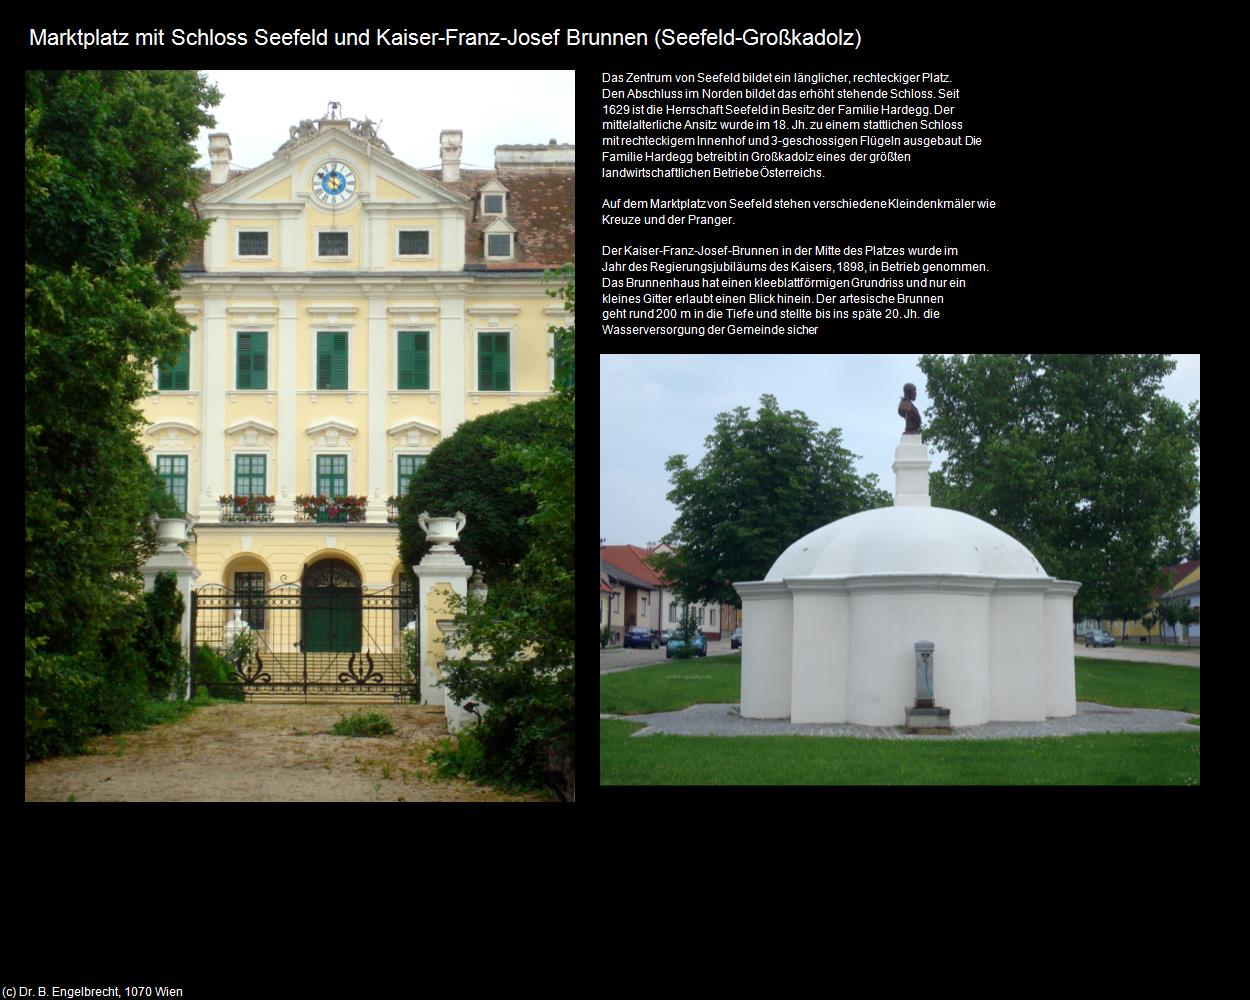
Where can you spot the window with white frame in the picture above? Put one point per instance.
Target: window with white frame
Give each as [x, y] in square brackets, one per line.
[173, 470]
[412, 243]
[498, 245]
[333, 244]
[494, 199]
[408, 466]
[252, 243]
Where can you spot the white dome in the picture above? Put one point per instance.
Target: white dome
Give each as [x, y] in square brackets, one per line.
[906, 540]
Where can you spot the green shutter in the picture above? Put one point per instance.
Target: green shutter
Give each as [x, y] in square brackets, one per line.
[414, 360]
[492, 362]
[176, 376]
[252, 361]
[331, 360]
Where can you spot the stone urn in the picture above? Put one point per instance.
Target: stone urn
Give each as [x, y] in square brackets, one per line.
[442, 532]
[171, 531]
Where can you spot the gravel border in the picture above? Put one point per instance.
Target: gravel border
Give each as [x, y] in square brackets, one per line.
[723, 720]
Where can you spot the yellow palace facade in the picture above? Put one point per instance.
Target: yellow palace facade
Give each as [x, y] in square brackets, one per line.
[348, 312]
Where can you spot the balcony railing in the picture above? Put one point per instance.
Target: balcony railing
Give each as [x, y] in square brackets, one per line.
[330, 509]
[246, 510]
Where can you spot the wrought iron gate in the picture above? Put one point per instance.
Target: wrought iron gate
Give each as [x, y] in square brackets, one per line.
[321, 644]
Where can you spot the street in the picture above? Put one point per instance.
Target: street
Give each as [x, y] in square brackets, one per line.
[615, 659]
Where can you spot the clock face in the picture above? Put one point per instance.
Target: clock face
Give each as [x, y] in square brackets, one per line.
[334, 184]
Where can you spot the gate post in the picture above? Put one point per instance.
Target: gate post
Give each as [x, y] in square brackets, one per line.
[443, 567]
[170, 558]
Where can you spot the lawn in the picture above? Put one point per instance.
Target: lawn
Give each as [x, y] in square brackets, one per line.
[1101, 759]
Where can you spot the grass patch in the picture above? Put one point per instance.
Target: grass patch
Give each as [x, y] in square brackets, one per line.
[1096, 759]
[1128, 684]
[157, 713]
[670, 687]
[362, 723]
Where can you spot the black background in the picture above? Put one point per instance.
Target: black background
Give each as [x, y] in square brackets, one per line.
[1089, 248]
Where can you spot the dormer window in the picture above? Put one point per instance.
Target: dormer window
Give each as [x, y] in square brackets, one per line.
[494, 199]
[500, 241]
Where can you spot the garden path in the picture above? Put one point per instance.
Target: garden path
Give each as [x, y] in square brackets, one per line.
[261, 753]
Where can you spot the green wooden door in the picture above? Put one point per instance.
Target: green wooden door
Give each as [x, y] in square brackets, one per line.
[331, 618]
[332, 621]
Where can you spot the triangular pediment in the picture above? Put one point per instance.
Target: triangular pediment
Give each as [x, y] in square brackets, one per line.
[340, 427]
[371, 163]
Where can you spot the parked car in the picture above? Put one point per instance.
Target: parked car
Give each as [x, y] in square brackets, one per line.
[735, 640]
[640, 638]
[1099, 638]
[698, 645]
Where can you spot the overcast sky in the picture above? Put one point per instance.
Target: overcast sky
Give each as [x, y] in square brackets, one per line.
[654, 406]
[491, 108]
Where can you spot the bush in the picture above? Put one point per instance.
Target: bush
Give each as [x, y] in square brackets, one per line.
[530, 716]
[60, 695]
[156, 639]
[215, 674]
[465, 757]
[363, 724]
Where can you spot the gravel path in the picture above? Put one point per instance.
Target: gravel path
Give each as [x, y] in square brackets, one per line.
[723, 720]
[262, 753]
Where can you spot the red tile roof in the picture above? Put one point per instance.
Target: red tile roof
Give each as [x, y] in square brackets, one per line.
[1176, 574]
[629, 558]
[540, 208]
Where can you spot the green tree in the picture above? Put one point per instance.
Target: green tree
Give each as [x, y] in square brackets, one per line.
[108, 191]
[1079, 456]
[686, 630]
[476, 470]
[521, 637]
[763, 483]
[562, 349]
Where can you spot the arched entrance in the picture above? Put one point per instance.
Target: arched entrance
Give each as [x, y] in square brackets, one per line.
[331, 607]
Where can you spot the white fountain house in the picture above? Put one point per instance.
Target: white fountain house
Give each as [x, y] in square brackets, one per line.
[830, 632]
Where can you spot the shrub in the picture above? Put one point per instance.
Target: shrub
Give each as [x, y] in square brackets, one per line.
[156, 639]
[530, 716]
[60, 695]
[464, 757]
[363, 724]
[215, 674]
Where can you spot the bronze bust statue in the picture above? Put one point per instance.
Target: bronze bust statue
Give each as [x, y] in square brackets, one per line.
[907, 409]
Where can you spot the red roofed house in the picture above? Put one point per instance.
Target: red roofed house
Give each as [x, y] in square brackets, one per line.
[1184, 581]
[637, 584]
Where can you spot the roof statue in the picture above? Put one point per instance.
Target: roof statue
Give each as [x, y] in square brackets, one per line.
[309, 129]
[907, 410]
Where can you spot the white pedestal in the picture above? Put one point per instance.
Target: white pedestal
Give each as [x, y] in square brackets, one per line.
[911, 472]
